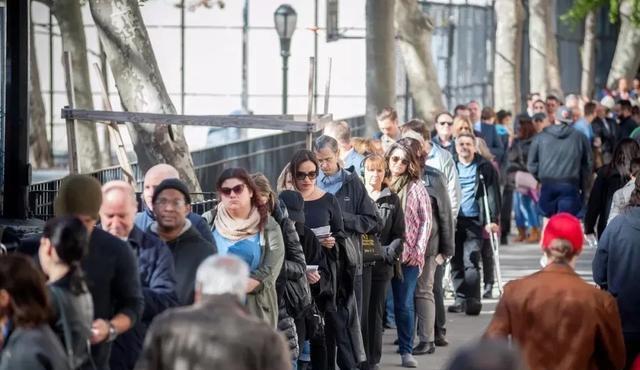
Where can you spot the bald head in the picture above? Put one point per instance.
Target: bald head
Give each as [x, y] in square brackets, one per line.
[154, 177]
[118, 209]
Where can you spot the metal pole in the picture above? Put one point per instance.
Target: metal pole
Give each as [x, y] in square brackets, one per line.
[285, 71]
[245, 57]
[315, 56]
[71, 123]
[182, 65]
[51, 87]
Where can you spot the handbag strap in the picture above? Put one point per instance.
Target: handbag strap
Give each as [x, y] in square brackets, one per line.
[65, 325]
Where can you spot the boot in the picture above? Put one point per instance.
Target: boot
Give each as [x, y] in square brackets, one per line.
[522, 235]
[534, 236]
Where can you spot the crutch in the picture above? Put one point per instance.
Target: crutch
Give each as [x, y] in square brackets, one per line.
[493, 237]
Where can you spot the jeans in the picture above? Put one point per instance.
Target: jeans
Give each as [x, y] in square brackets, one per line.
[425, 301]
[556, 197]
[505, 211]
[525, 210]
[465, 264]
[403, 295]
[390, 317]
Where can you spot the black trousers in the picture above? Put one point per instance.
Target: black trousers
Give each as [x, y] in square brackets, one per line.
[505, 210]
[488, 267]
[373, 316]
[339, 346]
[438, 295]
[465, 265]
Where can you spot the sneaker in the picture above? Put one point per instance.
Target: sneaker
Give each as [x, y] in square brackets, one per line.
[457, 307]
[408, 360]
[473, 307]
[440, 341]
[488, 291]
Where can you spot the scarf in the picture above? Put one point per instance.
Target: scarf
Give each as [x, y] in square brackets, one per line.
[400, 187]
[331, 184]
[236, 229]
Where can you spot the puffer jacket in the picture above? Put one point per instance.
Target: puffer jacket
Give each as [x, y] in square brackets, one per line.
[216, 333]
[291, 286]
[358, 213]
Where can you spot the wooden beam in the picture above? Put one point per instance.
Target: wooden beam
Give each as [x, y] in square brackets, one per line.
[282, 123]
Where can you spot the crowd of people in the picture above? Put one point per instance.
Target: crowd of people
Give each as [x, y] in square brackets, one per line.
[354, 238]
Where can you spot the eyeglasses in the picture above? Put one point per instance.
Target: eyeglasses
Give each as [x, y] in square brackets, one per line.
[450, 123]
[163, 203]
[396, 159]
[238, 189]
[303, 175]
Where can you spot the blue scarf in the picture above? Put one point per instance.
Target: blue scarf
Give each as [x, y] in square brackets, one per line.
[331, 184]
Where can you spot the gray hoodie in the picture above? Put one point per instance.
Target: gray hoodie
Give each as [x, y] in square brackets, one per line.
[560, 154]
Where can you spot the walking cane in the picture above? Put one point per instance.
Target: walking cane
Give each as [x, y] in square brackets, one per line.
[493, 237]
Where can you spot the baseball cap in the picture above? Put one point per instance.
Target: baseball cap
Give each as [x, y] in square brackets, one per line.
[563, 226]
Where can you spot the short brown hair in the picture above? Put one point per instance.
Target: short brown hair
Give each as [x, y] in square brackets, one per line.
[29, 305]
[265, 187]
[418, 126]
[487, 113]
[387, 113]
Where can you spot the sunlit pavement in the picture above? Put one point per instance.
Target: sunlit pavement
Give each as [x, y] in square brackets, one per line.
[517, 261]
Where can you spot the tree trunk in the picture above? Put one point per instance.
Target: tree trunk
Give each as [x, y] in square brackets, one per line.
[381, 60]
[537, 47]
[508, 54]
[626, 59]
[554, 82]
[69, 17]
[414, 37]
[40, 148]
[134, 67]
[588, 56]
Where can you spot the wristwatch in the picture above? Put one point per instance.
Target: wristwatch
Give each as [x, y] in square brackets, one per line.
[112, 333]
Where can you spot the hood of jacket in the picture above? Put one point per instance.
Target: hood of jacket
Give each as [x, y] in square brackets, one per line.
[560, 131]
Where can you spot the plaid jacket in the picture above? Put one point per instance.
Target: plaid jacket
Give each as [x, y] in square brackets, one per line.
[417, 218]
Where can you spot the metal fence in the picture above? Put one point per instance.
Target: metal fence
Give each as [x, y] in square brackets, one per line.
[267, 154]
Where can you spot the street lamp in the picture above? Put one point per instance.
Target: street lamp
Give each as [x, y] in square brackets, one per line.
[285, 18]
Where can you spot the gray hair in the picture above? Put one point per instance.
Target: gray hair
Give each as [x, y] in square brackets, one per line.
[220, 274]
[339, 131]
[326, 141]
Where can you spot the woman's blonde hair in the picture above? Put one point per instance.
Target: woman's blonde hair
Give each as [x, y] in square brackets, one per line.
[461, 124]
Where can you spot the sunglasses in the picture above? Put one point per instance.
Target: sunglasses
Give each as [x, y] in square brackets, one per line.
[450, 123]
[303, 175]
[396, 159]
[238, 189]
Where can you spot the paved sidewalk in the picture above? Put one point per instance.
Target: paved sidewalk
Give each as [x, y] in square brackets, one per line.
[517, 261]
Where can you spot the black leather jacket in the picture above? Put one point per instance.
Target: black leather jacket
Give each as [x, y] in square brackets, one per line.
[292, 286]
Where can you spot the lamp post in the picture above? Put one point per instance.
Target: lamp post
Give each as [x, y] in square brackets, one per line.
[285, 18]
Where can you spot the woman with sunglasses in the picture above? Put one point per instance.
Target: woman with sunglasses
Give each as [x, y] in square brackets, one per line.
[324, 217]
[406, 174]
[383, 249]
[242, 226]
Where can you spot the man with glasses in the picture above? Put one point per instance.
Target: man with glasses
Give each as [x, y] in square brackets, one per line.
[444, 130]
[152, 178]
[155, 265]
[171, 205]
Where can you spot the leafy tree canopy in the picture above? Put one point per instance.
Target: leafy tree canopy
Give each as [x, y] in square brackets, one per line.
[581, 8]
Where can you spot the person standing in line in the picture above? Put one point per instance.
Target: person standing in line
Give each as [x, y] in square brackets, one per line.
[554, 309]
[152, 179]
[171, 205]
[609, 179]
[615, 269]
[63, 244]
[604, 133]
[527, 218]
[155, 263]
[216, 332]
[351, 159]
[389, 127]
[26, 340]
[476, 174]
[560, 159]
[621, 196]
[626, 124]
[406, 173]
[110, 267]
[388, 240]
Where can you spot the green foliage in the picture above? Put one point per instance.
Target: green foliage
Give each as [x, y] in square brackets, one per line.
[581, 8]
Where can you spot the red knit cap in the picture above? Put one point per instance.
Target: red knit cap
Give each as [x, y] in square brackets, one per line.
[563, 226]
